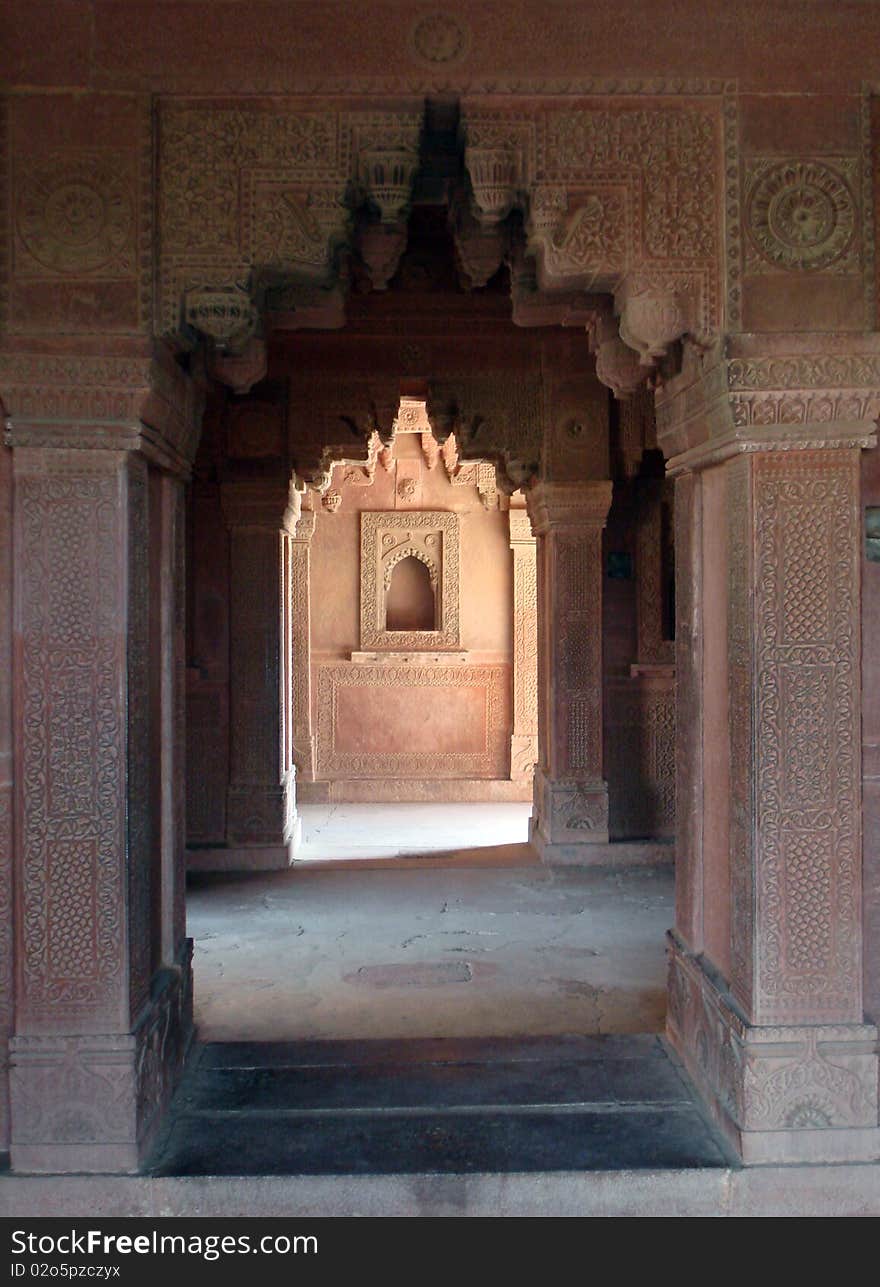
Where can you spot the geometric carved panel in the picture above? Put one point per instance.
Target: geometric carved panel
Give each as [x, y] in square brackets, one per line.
[71, 788]
[806, 774]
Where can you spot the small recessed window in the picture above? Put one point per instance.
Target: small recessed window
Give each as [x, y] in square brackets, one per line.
[409, 600]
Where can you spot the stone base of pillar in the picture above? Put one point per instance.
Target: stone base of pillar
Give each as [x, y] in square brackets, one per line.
[260, 815]
[94, 1103]
[568, 818]
[779, 1094]
[243, 857]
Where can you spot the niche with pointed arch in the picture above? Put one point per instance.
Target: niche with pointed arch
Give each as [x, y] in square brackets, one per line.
[410, 580]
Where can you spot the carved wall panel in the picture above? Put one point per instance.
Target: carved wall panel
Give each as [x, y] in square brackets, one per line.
[79, 253]
[616, 186]
[143, 836]
[6, 787]
[433, 539]
[262, 185]
[468, 711]
[802, 214]
[300, 618]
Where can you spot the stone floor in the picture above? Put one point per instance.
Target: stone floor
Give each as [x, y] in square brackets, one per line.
[414, 921]
[435, 1024]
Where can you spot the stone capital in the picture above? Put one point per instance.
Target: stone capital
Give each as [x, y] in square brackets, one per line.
[521, 533]
[770, 393]
[556, 506]
[120, 396]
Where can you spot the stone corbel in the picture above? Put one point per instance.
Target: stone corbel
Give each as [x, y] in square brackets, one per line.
[240, 371]
[386, 177]
[481, 250]
[652, 316]
[496, 175]
[618, 366]
[226, 315]
[381, 247]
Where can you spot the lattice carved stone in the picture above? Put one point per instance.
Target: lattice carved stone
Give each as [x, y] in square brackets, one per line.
[796, 823]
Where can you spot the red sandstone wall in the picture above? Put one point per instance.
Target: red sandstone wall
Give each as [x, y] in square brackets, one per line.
[272, 46]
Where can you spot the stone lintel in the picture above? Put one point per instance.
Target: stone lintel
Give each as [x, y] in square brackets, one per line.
[770, 392]
[799, 1093]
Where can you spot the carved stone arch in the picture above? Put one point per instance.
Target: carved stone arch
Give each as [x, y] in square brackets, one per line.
[409, 552]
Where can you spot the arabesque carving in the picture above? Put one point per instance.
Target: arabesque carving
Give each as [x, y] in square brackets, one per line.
[264, 190]
[608, 188]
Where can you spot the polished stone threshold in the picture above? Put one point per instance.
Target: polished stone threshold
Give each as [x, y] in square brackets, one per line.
[448, 1106]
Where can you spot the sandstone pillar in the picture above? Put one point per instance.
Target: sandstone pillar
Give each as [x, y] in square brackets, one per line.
[303, 752]
[6, 779]
[102, 1001]
[102, 979]
[262, 825]
[766, 974]
[571, 797]
[688, 709]
[524, 738]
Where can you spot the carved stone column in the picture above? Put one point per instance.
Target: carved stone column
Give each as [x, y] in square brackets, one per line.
[571, 798]
[301, 694]
[524, 739]
[262, 825]
[765, 1001]
[7, 984]
[689, 709]
[103, 978]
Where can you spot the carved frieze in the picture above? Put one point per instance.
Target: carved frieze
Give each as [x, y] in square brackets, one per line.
[757, 394]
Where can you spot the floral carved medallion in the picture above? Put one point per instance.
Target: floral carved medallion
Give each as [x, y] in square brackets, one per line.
[76, 216]
[801, 215]
[438, 38]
